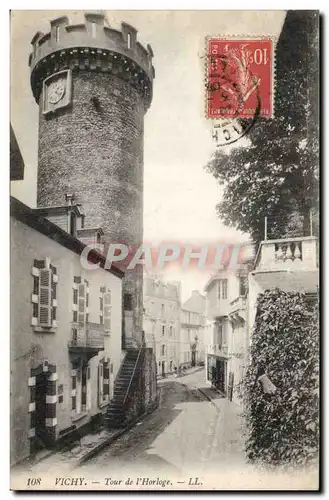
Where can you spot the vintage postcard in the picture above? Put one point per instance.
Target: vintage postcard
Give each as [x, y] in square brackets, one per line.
[164, 216]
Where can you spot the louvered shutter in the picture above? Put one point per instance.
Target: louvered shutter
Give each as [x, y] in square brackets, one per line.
[107, 311]
[82, 303]
[106, 381]
[100, 383]
[45, 300]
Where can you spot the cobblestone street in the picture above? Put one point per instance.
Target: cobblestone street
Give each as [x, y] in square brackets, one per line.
[187, 437]
[187, 432]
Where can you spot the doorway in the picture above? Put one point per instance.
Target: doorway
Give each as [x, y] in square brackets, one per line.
[221, 375]
[40, 410]
[193, 358]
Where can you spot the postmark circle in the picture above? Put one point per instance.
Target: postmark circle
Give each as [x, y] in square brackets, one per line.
[230, 130]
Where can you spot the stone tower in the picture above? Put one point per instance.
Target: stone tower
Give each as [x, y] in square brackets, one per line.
[93, 85]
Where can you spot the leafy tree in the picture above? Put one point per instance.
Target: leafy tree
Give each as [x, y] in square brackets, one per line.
[277, 174]
[283, 428]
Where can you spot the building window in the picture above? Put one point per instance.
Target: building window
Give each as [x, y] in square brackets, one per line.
[93, 30]
[163, 330]
[219, 335]
[57, 33]
[163, 350]
[170, 331]
[243, 286]
[162, 310]
[83, 388]
[222, 289]
[82, 303]
[44, 294]
[128, 302]
[107, 309]
[129, 40]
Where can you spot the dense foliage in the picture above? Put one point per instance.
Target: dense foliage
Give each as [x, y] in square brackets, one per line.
[283, 428]
[277, 174]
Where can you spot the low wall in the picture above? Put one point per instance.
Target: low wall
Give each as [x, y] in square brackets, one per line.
[144, 395]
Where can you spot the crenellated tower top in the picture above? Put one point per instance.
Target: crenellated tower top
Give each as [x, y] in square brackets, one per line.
[92, 46]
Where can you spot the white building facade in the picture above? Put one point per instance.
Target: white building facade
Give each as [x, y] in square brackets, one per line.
[226, 330]
[161, 322]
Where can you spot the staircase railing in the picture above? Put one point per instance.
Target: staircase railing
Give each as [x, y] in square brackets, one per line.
[134, 371]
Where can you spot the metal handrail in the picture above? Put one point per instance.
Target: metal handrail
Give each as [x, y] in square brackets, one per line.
[133, 373]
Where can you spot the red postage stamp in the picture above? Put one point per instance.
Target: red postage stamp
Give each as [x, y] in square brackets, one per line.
[239, 77]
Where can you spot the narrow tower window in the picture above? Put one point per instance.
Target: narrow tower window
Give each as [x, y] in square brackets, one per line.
[129, 40]
[93, 30]
[57, 33]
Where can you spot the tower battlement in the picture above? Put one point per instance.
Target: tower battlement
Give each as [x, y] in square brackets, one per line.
[92, 46]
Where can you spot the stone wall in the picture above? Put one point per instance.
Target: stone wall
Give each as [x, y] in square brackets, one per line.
[144, 394]
[94, 149]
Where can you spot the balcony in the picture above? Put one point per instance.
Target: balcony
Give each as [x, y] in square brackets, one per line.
[238, 309]
[218, 308]
[87, 339]
[287, 253]
[220, 350]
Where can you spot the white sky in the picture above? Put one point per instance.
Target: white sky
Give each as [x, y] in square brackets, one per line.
[179, 196]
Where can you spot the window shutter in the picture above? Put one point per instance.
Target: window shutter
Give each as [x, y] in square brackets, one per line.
[45, 298]
[81, 303]
[106, 381]
[35, 285]
[100, 383]
[107, 310]
[35, 310]
[88, 389]
[74, 397]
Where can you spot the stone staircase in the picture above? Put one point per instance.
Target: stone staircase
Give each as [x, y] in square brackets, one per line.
[116, 412]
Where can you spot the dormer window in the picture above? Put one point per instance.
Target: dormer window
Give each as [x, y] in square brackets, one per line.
[129, 40]
[57, 34]
[93, 30]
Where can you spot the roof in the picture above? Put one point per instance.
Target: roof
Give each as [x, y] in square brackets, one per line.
[16, 159]
[58, 209]
[196, 303]
[288, 281]
[27, 216]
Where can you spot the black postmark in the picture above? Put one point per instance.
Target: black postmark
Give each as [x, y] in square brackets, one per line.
[229, 129]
